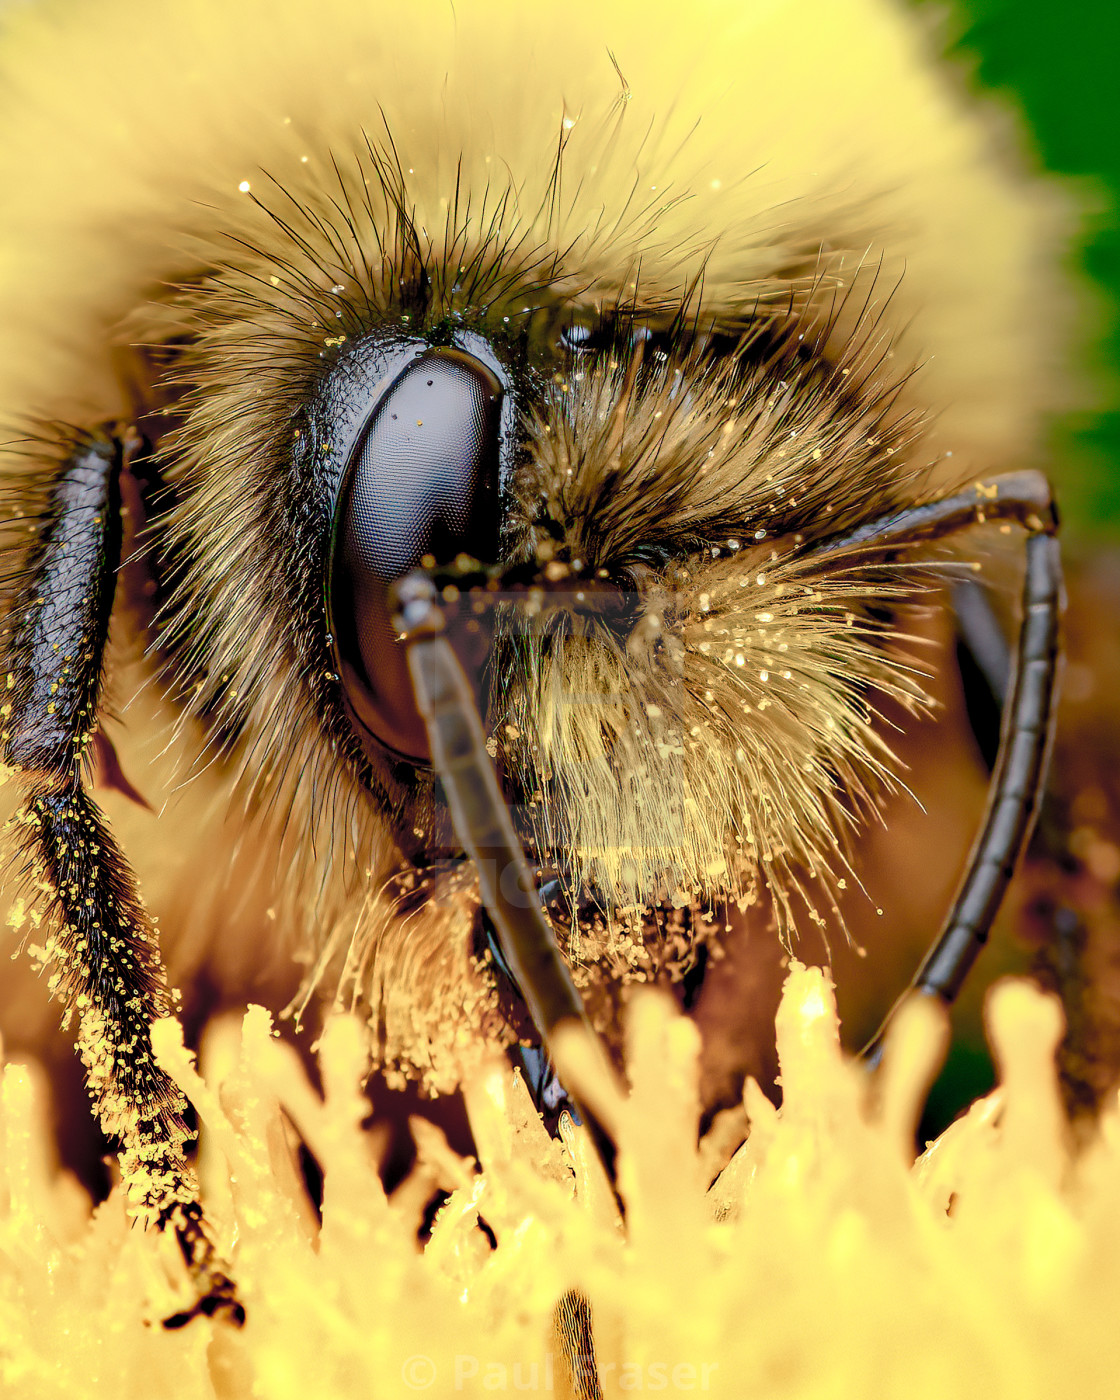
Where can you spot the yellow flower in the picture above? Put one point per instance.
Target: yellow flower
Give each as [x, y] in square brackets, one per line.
[822, 1261]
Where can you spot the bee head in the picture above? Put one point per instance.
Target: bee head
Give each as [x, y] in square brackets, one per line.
[709, 730]
[683, 449]
[627, 327]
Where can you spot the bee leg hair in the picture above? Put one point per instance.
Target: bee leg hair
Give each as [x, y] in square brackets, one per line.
[101, 951]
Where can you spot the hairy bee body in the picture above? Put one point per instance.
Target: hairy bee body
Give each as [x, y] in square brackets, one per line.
[205, 215]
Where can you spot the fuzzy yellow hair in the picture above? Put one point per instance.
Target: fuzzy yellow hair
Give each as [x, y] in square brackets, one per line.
[741, 138]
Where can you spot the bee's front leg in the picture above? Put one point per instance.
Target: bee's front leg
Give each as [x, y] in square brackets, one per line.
[101, 949]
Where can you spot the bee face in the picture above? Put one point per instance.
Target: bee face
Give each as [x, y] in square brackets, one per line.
[670, 344]
[689, 455]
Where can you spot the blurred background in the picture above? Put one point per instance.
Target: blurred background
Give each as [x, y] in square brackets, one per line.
[1058, 65]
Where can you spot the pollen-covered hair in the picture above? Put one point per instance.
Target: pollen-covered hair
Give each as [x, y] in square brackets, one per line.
[844, 281]
[725, 739]
[725, 734]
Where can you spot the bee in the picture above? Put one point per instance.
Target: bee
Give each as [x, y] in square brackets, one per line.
[460, 451]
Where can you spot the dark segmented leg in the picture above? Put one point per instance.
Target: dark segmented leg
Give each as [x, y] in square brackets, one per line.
[986, 662]
[1017, 780]
[101, 949]
[1025, 740]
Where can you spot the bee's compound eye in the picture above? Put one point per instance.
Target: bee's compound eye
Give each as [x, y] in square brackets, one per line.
[422, 480]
